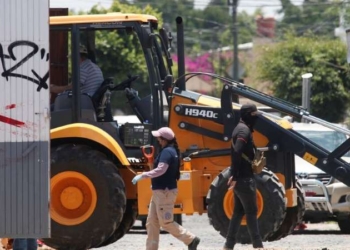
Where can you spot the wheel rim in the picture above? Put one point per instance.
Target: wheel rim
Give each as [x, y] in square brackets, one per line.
[228, 205]
[73, 198]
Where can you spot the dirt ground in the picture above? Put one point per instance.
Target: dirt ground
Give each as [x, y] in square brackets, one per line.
[323, 236]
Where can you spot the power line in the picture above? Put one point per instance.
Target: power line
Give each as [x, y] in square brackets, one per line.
[243, 4]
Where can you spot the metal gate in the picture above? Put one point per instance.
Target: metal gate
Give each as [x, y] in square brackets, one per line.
[24, 119]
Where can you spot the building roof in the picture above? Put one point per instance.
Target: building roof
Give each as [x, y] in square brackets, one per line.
[102, 18]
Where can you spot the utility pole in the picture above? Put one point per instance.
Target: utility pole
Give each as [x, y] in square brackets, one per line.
[234, 4]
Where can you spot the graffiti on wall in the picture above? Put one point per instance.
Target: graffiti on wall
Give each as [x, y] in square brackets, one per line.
[12, 64]
[41, 81]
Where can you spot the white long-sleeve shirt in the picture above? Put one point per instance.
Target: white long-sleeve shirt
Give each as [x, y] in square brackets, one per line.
[158, 171]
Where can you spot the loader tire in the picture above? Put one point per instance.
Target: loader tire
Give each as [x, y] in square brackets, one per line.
[344, 224]
[270, 200]
[301, 202]
[87, 198]
[294, 216]
[128, 221]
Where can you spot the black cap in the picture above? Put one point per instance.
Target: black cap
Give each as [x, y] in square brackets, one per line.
[248, 108]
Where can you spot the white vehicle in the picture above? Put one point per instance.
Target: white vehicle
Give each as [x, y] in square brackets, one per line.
[326, 198]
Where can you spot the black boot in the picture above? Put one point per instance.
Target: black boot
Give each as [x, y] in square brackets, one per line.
[193, 245]
[258, 244]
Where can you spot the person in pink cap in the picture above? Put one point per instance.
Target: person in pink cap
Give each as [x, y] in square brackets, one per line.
[164, 177]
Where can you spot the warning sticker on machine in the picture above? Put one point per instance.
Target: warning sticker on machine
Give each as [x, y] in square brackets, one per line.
[185, 176]
[310, 158]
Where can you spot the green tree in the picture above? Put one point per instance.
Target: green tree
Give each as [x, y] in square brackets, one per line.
[193, 30]
[170, 9]
[204, 29]
[291, 16]
[119, 53]
[246, 28]
[284, 63]
[216, 24]
[320, 17]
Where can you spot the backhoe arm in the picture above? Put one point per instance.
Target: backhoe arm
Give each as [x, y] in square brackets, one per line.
[290, 140]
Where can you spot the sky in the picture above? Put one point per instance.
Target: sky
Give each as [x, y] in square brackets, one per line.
[270, 7]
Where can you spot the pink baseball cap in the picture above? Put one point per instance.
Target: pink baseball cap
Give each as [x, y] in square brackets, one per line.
[165, 132]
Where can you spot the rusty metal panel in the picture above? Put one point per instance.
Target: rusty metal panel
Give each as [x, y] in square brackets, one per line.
[24, 119]
[58, 53]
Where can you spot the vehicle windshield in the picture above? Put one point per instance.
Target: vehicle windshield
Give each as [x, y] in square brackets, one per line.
[326, 139]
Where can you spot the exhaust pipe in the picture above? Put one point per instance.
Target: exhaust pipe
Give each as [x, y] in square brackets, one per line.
[180, 53]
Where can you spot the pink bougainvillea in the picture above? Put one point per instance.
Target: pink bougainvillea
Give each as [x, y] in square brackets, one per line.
[202, 63]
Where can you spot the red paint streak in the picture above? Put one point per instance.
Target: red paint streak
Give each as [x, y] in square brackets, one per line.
[11, 106]
[11, 121]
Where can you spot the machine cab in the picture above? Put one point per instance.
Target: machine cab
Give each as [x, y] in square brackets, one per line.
[126, 90]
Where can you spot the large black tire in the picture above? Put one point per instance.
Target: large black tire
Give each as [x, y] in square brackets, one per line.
[272, 210]
[344, 224]
[293, 217]
[109, 189]
[301, 202]
[128, 221]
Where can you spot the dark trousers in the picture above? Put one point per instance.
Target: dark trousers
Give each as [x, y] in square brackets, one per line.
[245, 204]
[25, 244]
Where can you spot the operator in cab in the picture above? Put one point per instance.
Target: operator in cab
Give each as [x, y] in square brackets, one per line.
[91, 76]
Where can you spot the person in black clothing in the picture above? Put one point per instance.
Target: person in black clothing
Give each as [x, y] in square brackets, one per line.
[242, 179]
